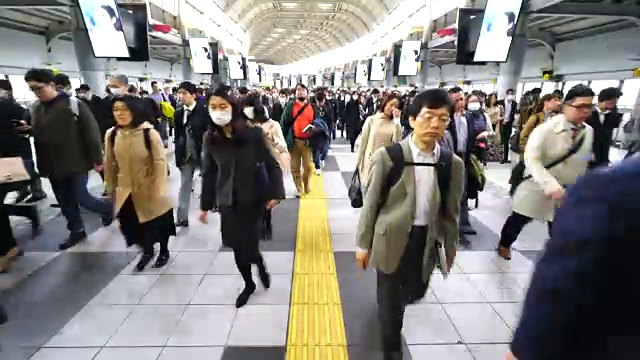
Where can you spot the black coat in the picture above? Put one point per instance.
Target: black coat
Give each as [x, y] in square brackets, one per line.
[352, 119]
[233, 171]
[199, 122]
[11, 142]
[603, 135]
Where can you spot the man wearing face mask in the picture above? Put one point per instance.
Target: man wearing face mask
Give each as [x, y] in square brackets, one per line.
[297, 127]
[191, 121]
[604, 119]
[278, 106]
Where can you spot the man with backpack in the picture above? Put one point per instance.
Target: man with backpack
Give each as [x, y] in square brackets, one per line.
[409, 219]
[297, 128]
[68, 145]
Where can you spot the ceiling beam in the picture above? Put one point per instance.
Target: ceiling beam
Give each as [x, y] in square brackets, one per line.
[595, 10]
[358, 24]
[339, 38]
[537, 5]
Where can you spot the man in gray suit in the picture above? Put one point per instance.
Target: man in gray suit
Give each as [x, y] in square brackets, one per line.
[403, 223]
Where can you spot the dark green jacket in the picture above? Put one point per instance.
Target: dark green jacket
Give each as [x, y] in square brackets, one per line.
[286, 122]
[65, 144]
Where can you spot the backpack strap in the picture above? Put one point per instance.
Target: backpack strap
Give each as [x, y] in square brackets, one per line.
[395, 173]
[147, 140]
[443, 173]
[33, 111]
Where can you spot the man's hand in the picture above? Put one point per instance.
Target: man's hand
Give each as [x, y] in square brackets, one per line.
[557, 194]
[362, 258]
[272, 203]
[203, 217]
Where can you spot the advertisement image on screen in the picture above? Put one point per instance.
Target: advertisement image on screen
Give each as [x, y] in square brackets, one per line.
[362, 74]
[337, 79]
[236, 69]
[409, 58]
[104, 27]
[254, 72]
[200, 55]
[498, 28]
[376, 73]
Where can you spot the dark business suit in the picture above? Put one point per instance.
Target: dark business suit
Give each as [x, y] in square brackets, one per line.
[465, 225]
[507, 126]
[603, 135]
[582, 301]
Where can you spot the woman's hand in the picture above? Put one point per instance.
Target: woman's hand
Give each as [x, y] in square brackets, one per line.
[396, 113]
[204, 217]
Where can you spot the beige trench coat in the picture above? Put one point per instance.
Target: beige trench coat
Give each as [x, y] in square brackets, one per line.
[547, 142]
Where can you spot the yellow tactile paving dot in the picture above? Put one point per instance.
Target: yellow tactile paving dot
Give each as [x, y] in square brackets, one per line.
[316, 325]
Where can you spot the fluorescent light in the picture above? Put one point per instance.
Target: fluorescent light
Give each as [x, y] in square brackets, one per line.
[326, 6]
[288, 4]
[296, 36]
[279, 30]
[304, 32]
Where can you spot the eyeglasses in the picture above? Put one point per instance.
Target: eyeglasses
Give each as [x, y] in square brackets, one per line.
[36, 88]
[442, 120]
[582, 106]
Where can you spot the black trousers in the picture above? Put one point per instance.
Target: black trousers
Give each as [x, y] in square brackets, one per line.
[505, 134]
[513, 227]
[244, 259]
[398, 289]
[7, 240]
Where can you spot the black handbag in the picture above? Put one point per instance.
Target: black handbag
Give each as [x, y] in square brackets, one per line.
[3, 316]
[355, 191]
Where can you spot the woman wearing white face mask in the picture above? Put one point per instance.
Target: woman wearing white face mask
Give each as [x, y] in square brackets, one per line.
[480, 124]
[241, 178]
[254, 111]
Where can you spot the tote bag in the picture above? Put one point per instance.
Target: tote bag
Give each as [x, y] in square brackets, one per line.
[12, 170]
[355, 191]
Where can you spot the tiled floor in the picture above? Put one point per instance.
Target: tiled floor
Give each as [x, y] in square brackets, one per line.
[88, 304]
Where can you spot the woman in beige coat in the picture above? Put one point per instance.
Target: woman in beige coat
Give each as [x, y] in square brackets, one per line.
[137, 180]
[379, 130]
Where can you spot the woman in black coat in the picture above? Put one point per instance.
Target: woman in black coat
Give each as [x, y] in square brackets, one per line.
[242, 179]
[353, 119]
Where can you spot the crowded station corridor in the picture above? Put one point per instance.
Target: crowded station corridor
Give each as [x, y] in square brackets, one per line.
[319, 179]
[88, 303]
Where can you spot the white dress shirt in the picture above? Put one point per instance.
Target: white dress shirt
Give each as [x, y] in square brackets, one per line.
[424, 182]
[462, 131]
[187, 111]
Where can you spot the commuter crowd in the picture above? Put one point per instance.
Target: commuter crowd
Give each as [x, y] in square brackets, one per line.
[421, 156]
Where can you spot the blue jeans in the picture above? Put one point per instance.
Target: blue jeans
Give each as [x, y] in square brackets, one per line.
[71, 192]
[320, 155]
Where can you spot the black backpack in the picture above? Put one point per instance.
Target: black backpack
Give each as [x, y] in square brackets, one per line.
[443, 173]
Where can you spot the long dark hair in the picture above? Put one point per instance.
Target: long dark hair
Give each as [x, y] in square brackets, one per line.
[215, 134]
[117, 24]
[492, 96]
[255, 101]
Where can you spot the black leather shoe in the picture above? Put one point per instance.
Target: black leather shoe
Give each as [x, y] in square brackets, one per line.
[183, 223]
[107, 220]
[145, 259]
[264, 276]
[73, 240]
[162, 260]
[244, 296]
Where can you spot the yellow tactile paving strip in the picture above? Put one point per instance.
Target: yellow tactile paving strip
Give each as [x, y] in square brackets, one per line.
[316, 327]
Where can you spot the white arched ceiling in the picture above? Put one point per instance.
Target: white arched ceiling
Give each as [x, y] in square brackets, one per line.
[286, 31]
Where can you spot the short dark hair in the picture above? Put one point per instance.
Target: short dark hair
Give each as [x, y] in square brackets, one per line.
[510, 91]
[122, 79]
[559, 93]
[5, 85]
[577, 91]
[242, 90]
[375, 91]
[455, 90]
[189, 87]
[431, 99]
[62, 80]
[154, 83]
[283, 92]
[43, 76]
[610, 93]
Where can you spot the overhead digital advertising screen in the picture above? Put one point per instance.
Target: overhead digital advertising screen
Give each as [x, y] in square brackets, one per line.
[376, 70]
[254, 72]
[236, 67]
[337, 79]
[104, 27]
[409, 58]
[200, 55]
[362, 73]
[498, 27]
